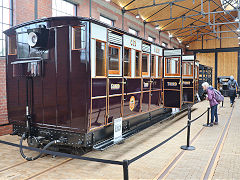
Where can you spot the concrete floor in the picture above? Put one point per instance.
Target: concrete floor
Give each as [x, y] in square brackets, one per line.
[217, 153]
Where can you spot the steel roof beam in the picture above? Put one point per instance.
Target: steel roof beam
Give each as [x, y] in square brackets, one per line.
[156, 12]
[182, 15]
[128, 4]
[215, 12]
[207, 33]
[222, 23]
[188, 42]
[153, 5]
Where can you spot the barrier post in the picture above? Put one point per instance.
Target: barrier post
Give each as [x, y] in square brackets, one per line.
[208, 114]
[125, 169]
[222, 103]
[188, 147]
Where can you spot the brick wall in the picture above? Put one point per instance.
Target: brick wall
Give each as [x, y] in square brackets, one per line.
[3, 100]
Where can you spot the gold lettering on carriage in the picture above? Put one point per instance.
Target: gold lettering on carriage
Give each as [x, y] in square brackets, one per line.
[115, 86]
[186, 82]
[172, 84]
[133, 42]
[156, 50]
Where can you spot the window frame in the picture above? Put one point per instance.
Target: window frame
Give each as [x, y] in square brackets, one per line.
[113, 22]
[65, 14]
[105, 60]
[130, 61]
[137, 32]
[139, 64]
[115, 72]
[145, 73]
[3, 40]
[179, 66]
[160, 65]
[164, 44]
[153, 39]
[73, 37]
[154, 68]
[187, 62]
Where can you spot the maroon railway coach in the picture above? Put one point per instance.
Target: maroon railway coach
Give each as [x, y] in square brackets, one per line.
[69, 78]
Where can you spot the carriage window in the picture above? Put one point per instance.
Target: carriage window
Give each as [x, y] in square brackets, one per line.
[12, 45]
[187, 69]
[159, 66]
[145, 64]
[137, 64]
[100, 58]
[79, 37]
[114, 59]
[153, 66]
[127, 62]
[172, 66]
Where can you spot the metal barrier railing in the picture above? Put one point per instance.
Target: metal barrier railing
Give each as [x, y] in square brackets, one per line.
[125, 163]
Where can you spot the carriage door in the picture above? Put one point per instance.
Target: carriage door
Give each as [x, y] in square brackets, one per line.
[156, 75]
[132, 76]
[196, 77]
[98, 111]
[115, 80]
[172, 80]
[146, 78]
[188, 78]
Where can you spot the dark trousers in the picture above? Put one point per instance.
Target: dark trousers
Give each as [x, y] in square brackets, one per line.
[214, 114]
[232, 99]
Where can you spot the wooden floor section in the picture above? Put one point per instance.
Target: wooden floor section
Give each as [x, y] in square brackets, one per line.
[217, 153]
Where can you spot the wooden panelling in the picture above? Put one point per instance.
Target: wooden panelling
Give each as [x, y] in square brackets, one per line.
[207, 59]
[213, 44]
[227, 64]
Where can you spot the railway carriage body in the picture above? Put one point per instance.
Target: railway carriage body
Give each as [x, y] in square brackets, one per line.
[189, 78]
[70, 78]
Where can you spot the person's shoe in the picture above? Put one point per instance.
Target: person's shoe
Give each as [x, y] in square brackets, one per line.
[211, 124]
[231, 105]
[216, 123]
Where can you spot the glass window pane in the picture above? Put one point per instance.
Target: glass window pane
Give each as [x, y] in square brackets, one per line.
[145, 64]
[79, 37]
[137, 64]
[6, 3]
[153, 66]
[159, 66]
[100, 58]
[132, 31]
[173, 66]
[6, 16]
[106, 20]
[12, 45]
[1, 48]
[63, 8]
[114, 53]
[127, 62]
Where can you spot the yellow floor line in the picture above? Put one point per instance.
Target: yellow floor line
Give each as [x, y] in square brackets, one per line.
[218, 151]
[175, 160]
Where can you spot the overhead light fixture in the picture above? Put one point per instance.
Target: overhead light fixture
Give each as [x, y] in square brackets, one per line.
[137, 16]
[239, 37]
[180, 41]
[108, 0]
[187, 46]
[237, 19]
[238, 29]
[170, 35]
[157, 27]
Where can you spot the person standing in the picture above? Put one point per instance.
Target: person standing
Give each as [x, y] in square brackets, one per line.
[210, 96]
[232, 86]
